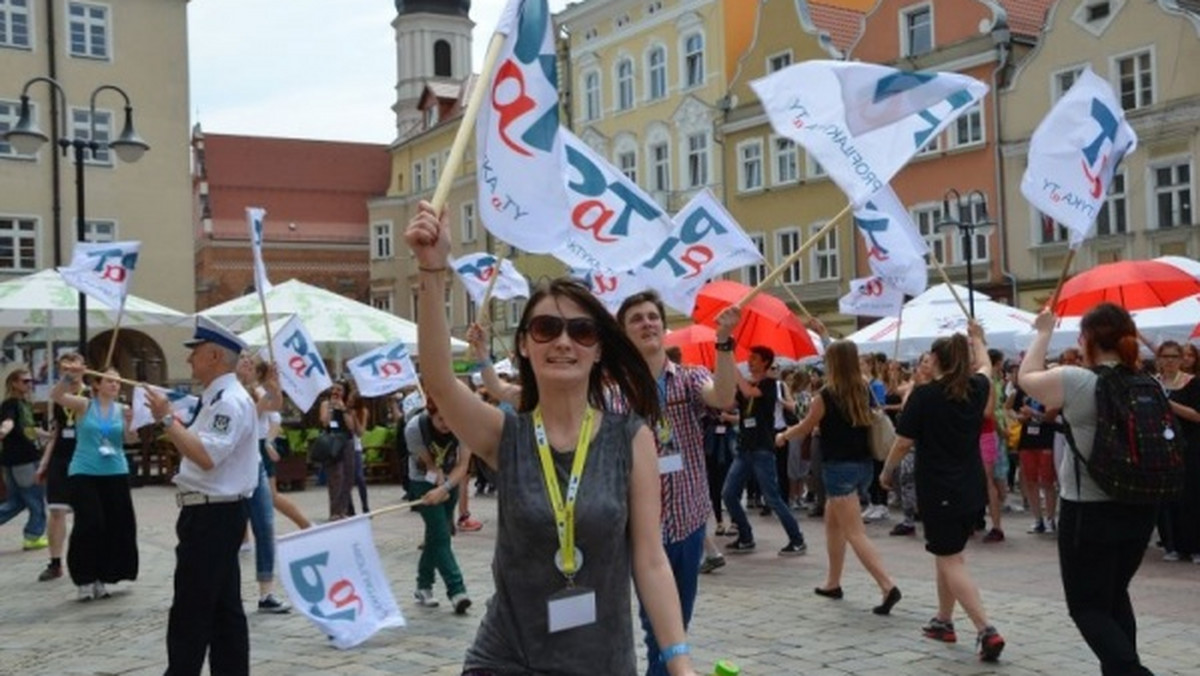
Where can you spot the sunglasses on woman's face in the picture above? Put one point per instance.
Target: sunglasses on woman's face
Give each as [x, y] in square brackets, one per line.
[582, 330]
[27, 381]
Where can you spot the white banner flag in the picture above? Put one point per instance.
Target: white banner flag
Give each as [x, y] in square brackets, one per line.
[705, 242]
[614, 223]
[383, 370]
[871, 297]
[611, 288]
[103, 270]
[255, 217]
[332, 574]
[895, 249]
[183, 406]
[1074, 154]
[476, 271]
[519, 152]
[863, 122]
[302, 373]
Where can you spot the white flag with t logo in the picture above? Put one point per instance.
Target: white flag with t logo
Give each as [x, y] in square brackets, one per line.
[895, 249]
[302, 373]
[871, 297]
[332, 574]
[383, 370]
[103, 270]
[477, 270]
[183, 406]
[255, 216]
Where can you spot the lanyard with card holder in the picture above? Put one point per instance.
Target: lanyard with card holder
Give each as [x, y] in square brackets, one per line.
[670, 459]
[572, 606]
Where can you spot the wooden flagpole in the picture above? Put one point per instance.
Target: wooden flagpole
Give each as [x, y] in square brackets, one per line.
[808, 244]
[485, 315]
[112, 343]
[791, 293]
[262, 300]
[1062, 277]
[341, 522]
[950, 285]
[899, 326]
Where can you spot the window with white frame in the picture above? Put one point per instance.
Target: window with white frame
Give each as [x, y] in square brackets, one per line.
[787, 242]
[14, 23]
[754, 274]
[1113, 218]
[934, 145]
[382, 301]
[100, 231]
[656, 66]
[88, 30]
[516, 307]
[660, 167]
[813, 168]
[1049, 231]
[627, 163]
[968, 128]
[624, 84]
[1173, 194]
[467, 222]
[1135, 80]
[18, 244]
[779, 61]
[82, 128]
[926, 220]
[697, 160]
[975, 212]
[1063, 80]
[418, 173]
[785, 161]
[434, 166]
[750, 165]
[917, 24]
[10, 114]
[381, 240]
[591, 96]
[825, 261]
[693, 60]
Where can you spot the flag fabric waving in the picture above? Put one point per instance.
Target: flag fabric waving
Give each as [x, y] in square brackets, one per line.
[302, 373]
[871, 297]
[611, 288]
[383, 370]
[895, 249]
[333, 575]
[1075, 152]
[863, 122]
[705, 242]
[255, 216]
[476, 271]
[183, 406]
[519, 152]
[103, 270]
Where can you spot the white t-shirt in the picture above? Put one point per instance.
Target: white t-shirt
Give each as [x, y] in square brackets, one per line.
[1079, 409]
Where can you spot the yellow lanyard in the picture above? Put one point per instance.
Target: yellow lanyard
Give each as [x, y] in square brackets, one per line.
[564, 510]
[439, 452]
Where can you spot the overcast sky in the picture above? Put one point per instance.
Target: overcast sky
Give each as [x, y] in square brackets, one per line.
[303, 68]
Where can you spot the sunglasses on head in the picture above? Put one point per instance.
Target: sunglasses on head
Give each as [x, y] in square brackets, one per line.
[582, 330]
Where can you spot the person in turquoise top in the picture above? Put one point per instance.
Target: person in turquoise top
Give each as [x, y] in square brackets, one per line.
[103, 545]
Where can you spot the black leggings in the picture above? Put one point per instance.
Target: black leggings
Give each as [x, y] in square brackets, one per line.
[1100, 546]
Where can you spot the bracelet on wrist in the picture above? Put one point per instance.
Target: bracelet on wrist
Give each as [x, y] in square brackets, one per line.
[672, 651]
[726, 345]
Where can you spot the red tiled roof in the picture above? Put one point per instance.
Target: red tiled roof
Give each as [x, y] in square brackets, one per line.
[1027, 17]
[843, 24]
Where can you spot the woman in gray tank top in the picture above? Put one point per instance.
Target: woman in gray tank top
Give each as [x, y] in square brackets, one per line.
[579, 488]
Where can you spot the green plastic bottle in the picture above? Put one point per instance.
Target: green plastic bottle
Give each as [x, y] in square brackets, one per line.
[725, 668]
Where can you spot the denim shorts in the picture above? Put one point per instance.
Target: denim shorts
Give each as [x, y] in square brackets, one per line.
[847, 478]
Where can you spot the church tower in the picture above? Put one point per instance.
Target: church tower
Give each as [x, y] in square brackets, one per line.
[433, 44]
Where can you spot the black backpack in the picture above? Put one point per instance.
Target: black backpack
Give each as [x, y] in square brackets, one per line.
[1137, 455]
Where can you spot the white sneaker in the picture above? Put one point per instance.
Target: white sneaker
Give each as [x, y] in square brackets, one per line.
[882, 513]
[425, 598]
[1171, 556]
[85, 592]
[100, 591]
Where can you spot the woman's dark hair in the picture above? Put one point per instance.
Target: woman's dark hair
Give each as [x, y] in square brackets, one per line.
[1109, 328]
[954, 358]
[620, 361]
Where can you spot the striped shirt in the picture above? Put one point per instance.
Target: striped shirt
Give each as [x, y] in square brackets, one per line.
[685, 503]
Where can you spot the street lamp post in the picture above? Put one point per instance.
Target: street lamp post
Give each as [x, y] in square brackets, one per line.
[967, 224]
[27, 138]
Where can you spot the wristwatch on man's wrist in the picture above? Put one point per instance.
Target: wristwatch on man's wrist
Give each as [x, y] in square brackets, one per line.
[167, 420]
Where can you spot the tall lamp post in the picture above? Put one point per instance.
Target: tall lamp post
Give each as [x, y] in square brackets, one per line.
[27, 138]
[969, 223]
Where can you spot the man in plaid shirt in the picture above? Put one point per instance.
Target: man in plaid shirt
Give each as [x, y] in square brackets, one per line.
[685, 393]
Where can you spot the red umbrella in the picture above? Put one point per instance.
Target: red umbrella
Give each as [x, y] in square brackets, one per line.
[697, 343]
[1134, 285]
[766, 320]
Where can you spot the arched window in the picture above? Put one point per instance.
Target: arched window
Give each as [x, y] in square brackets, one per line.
[693, 60]
[441, 59]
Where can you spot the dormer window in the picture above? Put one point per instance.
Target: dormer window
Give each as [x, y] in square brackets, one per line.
[1098, 11]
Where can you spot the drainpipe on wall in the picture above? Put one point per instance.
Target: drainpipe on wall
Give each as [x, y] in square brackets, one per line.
[1001, 36]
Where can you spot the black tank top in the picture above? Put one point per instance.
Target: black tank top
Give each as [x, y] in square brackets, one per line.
[841, 441]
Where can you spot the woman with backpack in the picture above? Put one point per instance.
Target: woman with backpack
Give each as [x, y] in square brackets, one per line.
[1101, 541]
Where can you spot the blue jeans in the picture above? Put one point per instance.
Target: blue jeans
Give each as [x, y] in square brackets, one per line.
[684, 557]
[24, 492]
[262, 524]
[762, 464]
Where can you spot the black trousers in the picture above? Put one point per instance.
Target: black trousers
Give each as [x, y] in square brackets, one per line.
[103, 546]
[1100, 547]
[206, 614]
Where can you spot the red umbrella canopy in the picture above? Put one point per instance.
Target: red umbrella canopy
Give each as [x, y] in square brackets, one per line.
[766, 320]
[697, 343]
[1134, 285]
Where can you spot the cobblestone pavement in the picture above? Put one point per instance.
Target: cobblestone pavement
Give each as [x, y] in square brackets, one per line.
[759, 610]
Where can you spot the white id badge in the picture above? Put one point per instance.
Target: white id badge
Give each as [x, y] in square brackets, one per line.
[431, 477]
[1035, 429]
[333, 424]
[670, 463]
[749, 423]
[571, 608]
[68, 433]
[719, 429]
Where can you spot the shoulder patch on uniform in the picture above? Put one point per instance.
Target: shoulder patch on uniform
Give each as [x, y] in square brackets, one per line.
[220, 423]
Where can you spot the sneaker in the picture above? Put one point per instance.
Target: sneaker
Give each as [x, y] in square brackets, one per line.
[991, 644]
[1051, 527]
[425, 598]
[461, 603]
[39, 542]
[50, 572]
[712, 563]
[468, 525]
[882, 513]
[903, 529]
[794, 549]
[245, 548]
[85, 593]
[1038, 528]
[100, 591]
[940, 630]
[994, 535]
[1171, 556]
[740, 546]
[272, 605]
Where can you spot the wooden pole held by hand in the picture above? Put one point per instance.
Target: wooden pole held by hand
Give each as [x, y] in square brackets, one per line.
[112, 343]
[1062, 277]
[485, 305]
[950, 285]
[808, 244]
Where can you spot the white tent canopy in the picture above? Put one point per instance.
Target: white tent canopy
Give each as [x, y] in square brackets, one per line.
[43, 299]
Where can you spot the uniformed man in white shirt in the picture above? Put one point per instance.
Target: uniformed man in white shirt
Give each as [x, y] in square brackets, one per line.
[217, 474]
